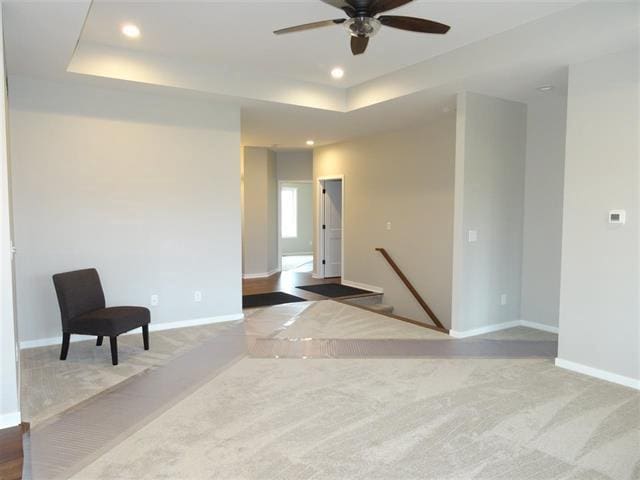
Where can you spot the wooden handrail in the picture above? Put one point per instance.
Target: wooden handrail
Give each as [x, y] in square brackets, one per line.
[413, 291]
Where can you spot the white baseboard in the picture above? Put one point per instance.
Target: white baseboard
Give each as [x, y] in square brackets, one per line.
[153, 327]
[502, 326]
[317, 276]
[248, 276]
[597, 373]
[482, 330]
[362, 286]
[8, 420]
[539, 326]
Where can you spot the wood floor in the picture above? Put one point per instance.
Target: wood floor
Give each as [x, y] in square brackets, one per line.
[11, 455]
[286, 282]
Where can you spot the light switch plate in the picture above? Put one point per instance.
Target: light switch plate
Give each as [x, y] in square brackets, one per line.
[472, 236]
[155, 300]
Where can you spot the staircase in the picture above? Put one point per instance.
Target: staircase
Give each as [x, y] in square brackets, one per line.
[371, 302]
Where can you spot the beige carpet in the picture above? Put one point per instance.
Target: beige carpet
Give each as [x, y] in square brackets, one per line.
[50, 386]
[388, 419]
[354, 419]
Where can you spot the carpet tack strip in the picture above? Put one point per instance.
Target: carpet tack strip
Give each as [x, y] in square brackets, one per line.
[71, 440]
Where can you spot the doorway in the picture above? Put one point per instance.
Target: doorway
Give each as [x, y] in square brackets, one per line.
[295, 226]
[330, 263]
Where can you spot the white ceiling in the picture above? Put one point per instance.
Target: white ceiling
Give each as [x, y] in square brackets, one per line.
[404, 79]
[238, 35]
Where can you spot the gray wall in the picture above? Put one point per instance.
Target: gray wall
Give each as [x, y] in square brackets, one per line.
[273, 262]
[544, 181]
[260, 208]
[405, 178]
[490, 160]
[303, 243]
[295, 165]
[143, 187]
[599, 310]
[9, 403]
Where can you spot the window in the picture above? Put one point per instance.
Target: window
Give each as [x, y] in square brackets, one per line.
[289, 212]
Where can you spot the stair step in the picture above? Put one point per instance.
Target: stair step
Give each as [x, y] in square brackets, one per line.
[381, 308]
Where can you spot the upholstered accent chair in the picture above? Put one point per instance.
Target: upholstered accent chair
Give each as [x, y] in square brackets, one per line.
[83, 312]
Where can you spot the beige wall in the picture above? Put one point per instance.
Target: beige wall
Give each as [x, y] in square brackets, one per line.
[405, 178]
[542, 232]
[143, 187]
[490, 161]
[260, 208]
[600, 289]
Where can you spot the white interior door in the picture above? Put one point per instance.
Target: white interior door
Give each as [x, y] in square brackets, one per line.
[332, 228]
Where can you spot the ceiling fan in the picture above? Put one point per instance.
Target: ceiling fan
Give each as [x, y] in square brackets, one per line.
[362, 23]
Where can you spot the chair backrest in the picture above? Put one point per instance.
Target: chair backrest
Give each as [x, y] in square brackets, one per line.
[78, 292]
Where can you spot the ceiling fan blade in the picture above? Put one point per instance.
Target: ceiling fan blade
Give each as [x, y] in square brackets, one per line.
[359, 45]
[379, 6]
[309, 26]
[346, 6]
[413, 24]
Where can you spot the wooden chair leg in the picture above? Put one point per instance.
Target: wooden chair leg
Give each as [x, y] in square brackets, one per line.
[114, 350]
[99, 341]
[66, 337]
[145, 336]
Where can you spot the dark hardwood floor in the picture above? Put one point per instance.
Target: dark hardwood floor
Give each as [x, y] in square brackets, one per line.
[11, 454]
[286, 282]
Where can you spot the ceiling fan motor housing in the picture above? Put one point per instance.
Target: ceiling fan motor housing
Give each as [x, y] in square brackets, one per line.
[362, 26]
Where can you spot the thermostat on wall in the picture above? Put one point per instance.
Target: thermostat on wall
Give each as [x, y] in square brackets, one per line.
[617, 216]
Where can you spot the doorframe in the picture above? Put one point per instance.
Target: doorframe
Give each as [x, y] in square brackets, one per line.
[320, 269]
[279, 223]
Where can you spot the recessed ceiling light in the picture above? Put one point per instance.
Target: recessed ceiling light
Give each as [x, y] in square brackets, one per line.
[131, 30]
[545, 88]
[337, 73]
[311, 143]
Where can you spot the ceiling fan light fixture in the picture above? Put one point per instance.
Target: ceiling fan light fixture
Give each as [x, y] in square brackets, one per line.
[545, 88]
[362, 26]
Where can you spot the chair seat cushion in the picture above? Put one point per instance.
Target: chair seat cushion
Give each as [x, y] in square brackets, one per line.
[111, 321]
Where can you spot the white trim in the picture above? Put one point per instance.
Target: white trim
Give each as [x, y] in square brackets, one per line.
[317, 276]
[153, 327]
[297, 254]
[539, 326]
[597, 373]
[158, 327]
[362, 286]
[248, 276]
[319, 267]
[8, 420]
[482, 330]
[503, 326]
